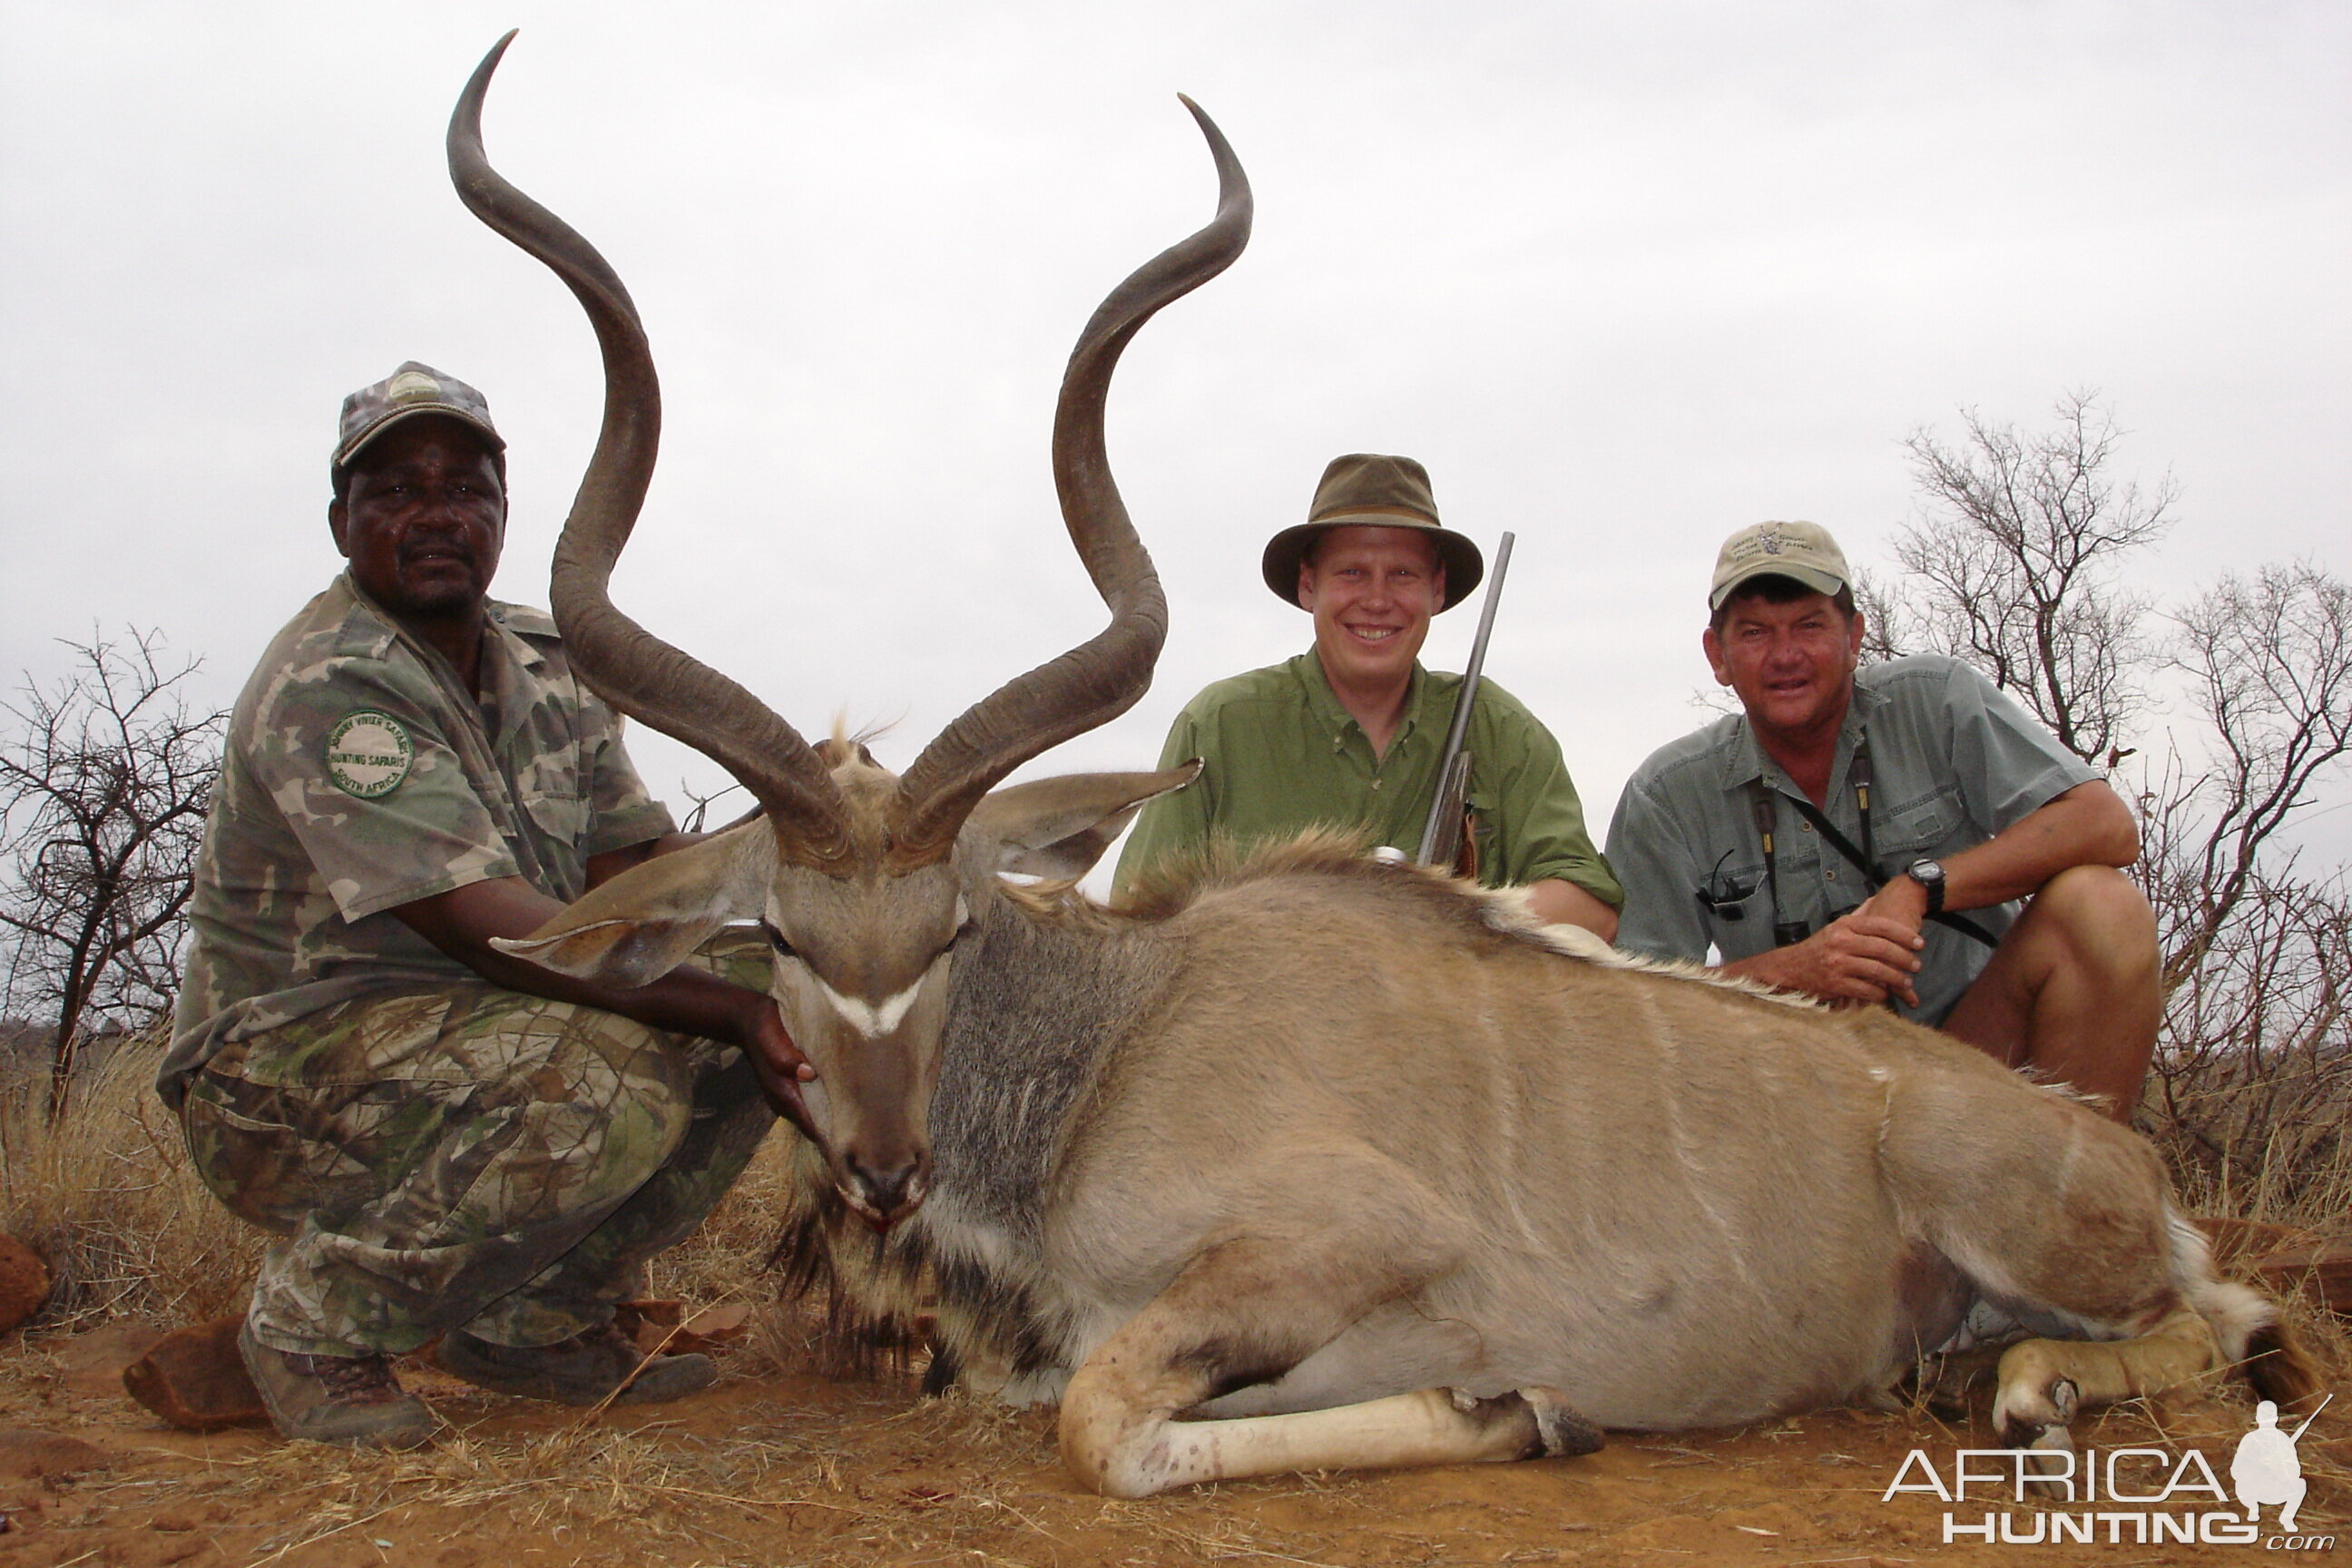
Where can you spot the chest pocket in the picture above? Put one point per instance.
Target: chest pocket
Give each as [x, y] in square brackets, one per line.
[1735, 891]
[1916, 827]
[552, 791]
[562, 818]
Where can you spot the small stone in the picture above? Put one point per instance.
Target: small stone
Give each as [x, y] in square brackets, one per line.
[193, 1378]
[714, 1328]
[648, 1323]
[665, 1327]
[24, 1282]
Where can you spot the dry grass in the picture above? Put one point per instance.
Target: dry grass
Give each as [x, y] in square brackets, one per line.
[106, 1196]
[2317, 1197]
[846, 1483]
[727, 1258]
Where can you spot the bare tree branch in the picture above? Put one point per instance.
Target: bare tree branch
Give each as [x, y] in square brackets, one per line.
[2016, 546]
[105, 777]
[2011, 564]
[2270, 660]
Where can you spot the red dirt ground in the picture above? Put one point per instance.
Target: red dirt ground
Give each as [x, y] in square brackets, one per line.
[777, 1468]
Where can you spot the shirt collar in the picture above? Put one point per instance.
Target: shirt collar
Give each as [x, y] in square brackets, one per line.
[503, 651]
[519, 648]
[1333, 720]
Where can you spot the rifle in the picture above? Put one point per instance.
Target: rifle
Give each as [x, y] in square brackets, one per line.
[1441, 840]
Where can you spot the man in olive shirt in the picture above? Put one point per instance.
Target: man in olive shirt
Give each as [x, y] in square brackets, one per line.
[1348, 734]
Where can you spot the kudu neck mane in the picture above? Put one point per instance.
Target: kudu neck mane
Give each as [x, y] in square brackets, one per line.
[1031, 1016]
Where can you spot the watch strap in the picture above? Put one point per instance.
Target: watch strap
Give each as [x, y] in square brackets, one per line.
[1932, 880]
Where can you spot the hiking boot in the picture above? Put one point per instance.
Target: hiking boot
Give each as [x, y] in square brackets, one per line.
[351, 1401]
[583, 1370]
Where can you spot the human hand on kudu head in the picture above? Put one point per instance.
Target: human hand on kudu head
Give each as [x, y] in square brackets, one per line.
[780, 1068]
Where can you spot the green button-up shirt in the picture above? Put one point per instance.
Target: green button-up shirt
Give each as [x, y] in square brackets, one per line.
[1953, 762]
[1282, 755]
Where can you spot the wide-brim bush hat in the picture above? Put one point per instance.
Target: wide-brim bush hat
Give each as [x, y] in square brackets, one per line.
[1372, 490]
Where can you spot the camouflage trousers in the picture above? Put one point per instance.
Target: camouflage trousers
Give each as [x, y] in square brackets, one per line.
[447, 1157]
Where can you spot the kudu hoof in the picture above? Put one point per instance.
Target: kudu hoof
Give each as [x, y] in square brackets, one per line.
[1558, 1430]
[1565, 1432]
[2040, 1422]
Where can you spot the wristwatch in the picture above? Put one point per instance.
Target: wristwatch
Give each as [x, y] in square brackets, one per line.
[1928, 874]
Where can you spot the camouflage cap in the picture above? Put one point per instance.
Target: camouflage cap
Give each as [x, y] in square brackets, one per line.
[413, 389]
[1801, 551]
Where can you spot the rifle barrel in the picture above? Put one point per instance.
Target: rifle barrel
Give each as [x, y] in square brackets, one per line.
[1436, 832]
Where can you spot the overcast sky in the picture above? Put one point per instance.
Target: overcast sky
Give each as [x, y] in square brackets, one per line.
[1624, 276]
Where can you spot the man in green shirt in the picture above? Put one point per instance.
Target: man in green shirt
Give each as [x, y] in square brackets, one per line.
[1348, 734]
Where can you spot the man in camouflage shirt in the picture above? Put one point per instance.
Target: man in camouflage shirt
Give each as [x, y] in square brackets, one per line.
[447, 1141]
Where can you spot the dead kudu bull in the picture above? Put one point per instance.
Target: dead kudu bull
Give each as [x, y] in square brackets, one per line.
[1355, 1159]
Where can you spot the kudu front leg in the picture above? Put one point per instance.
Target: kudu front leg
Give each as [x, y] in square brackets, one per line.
[1247, 1311]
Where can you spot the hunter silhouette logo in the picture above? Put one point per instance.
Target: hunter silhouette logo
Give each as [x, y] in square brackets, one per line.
[2267, 1470]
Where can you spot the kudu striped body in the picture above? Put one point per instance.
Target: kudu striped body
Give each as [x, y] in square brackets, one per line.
[1355, 1157]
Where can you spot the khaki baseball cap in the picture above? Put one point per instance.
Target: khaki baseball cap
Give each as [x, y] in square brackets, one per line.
[1375, 492]
[414, 389]
[1802, 551]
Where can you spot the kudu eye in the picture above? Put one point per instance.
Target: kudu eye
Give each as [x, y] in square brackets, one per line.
[776, 940]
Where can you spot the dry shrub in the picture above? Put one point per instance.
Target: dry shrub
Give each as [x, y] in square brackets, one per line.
[106, 1195]
[727, 1258]
[2249, 1097]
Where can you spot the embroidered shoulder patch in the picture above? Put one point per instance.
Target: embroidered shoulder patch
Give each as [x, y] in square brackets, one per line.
[368, 753]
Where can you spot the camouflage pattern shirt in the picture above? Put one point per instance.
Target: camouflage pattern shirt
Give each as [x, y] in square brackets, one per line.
[360, 776]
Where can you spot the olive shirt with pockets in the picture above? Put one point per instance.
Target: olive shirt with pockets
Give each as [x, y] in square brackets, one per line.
[1281, 755]
[359, 775]
[1953, 762]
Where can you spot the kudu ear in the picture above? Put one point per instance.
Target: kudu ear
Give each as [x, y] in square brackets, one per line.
[641, 925]
[1059, 827]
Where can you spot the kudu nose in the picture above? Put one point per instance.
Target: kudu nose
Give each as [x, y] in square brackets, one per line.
[887, 1192]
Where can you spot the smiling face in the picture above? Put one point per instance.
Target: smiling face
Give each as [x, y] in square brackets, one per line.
[422, 517]
[1791, 664]
[1371, 591]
